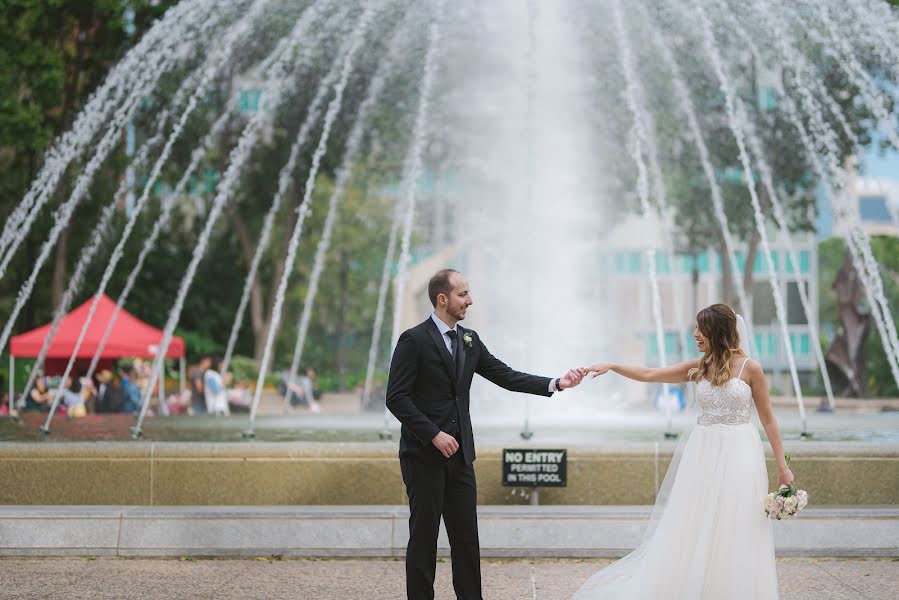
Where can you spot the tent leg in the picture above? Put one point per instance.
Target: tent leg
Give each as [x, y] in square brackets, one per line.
[12, 384]
[163, 407]
[181, 370]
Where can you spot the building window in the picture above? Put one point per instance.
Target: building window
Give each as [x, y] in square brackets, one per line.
[702, 262]
[767, 99]
[740, 256]
[248, 101]
[761, 263]
[763, 308]
[766, 345]
[874, 208]
[663, 263]
[800, 344]
[210, 180]
[628, 262]
[731, 175]
[795, 312]
[804, 262]
[671, 348]
[635, 261]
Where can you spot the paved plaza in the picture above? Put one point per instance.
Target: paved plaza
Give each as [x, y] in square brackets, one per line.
[266, 578]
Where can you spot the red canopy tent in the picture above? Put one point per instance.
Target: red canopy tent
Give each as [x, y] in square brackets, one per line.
[130, 337]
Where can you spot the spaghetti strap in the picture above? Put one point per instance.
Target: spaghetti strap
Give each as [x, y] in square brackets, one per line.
[745, 360]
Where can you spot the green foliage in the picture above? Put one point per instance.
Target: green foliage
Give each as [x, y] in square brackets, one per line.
[54, 53]
[687, 189]
[197, 345]
[328, 381]
[831, 254]
[880, 379]
[243, 368]
[23, 368]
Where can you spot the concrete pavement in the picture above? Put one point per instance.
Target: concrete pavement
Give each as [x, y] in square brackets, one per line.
[335, 579]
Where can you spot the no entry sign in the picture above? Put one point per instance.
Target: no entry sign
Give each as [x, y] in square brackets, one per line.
[530, 467]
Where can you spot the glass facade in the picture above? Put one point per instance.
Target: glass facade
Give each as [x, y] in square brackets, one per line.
[767, 347]
[874, 209]
[633, 262]
[248, 101]
[676, 270]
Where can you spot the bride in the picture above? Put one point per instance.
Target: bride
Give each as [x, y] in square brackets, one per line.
[708, 538]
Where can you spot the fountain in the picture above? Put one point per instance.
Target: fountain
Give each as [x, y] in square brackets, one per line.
[570, 155]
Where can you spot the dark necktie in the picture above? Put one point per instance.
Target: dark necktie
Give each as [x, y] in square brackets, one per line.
[455, 347]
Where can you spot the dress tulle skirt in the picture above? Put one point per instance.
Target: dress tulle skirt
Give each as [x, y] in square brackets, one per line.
[712, 541]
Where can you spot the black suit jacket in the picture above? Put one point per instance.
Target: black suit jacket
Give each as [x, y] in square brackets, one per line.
[428, 396]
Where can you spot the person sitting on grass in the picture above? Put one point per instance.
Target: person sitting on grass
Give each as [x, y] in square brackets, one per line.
[73, 398]
[40, 397]
[130, 391]
[110, 395]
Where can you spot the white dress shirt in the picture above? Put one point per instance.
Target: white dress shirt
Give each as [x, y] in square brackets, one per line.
[443, 328]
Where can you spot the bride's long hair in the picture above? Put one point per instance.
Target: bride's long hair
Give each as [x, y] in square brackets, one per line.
[718, 323]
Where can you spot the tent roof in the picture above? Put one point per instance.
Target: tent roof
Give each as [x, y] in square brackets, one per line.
[130, 336]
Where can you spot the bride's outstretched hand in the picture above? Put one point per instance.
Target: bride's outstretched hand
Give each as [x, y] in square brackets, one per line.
[598, 369]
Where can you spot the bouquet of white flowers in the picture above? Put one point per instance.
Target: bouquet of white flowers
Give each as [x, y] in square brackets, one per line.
[786, 502]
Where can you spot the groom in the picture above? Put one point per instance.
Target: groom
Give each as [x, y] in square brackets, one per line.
[428, 391]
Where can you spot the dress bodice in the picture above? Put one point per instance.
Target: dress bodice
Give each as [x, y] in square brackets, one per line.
[727, 404]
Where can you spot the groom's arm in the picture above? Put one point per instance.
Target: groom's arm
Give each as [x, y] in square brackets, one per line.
[493, 369]
[400, 385]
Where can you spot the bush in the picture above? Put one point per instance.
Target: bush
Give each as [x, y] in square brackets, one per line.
[244, 368]
[327, 380]
[197, 345]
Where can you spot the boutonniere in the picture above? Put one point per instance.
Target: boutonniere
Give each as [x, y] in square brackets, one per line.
[466, 337]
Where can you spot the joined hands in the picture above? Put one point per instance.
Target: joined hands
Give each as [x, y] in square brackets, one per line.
[448, 445]
[597, 369]
[572, 378]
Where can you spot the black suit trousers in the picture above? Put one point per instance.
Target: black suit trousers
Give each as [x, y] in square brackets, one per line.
[446, 489]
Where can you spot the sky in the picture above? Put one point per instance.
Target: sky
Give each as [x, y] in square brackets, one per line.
[878, 164]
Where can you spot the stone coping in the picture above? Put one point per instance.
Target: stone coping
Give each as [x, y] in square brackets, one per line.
[399, 510]
[382, 531]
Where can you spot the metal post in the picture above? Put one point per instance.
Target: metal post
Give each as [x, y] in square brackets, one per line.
[181, 371]
[12, 383]
[535, 497]
[160, 390]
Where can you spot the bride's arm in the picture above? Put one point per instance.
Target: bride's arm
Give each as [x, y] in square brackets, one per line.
[766, 415]
[673, 374]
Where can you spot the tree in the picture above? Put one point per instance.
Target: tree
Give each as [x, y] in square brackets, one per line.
[52, 55]
[688, 192]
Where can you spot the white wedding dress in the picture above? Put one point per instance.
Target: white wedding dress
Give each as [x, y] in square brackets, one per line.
[712, 540]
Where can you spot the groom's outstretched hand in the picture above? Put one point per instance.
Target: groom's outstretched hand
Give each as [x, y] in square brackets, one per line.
[572, 378]
[446, 443]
